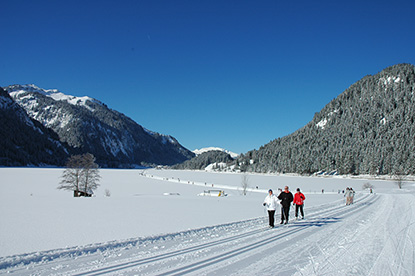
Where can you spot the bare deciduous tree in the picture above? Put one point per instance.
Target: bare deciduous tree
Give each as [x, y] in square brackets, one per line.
[81, 175]
[91, 173]
[367, 186]
[399, 179]
[71, 176]
[245, 183]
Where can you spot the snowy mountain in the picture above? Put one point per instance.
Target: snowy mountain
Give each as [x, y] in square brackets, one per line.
[202, 150]
[24, 141]
[87, 125]
[367, 129]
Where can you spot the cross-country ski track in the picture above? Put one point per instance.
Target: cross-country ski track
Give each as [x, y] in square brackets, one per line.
[370, 237]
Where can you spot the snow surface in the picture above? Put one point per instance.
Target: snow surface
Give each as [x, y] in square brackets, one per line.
[153, 223]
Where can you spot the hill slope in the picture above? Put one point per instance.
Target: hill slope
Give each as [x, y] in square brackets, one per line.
[201, 161]
[368, 129]
[24, 141]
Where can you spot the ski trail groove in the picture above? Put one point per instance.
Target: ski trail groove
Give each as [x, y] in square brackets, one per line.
[265, 238]
[297, 228]
[165, 255]
[227, 255]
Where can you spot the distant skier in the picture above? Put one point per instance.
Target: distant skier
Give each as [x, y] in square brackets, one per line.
[271, 202]
[286, 198]
[348, 195]
[299, 198]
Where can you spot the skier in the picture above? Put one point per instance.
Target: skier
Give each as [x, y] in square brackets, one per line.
[270, 202]
[299, 198]
[348, 194]
[286, 198]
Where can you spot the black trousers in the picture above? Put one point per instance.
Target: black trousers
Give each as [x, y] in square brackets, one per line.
[301, 210]
[285, 212]
[271, 214]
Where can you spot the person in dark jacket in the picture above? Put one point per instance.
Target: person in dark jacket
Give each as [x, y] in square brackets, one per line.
[286, 198]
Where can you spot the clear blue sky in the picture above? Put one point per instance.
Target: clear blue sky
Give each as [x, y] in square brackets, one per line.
[231, 74]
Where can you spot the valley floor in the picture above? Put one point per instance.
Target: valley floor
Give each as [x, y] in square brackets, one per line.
[374, 236]
[45, 231]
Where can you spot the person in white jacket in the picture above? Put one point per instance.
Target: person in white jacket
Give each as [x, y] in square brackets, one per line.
[271, 203]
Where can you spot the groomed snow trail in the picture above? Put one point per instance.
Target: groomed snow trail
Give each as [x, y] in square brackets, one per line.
[370, 237]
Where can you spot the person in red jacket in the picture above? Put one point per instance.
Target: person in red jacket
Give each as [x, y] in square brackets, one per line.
[299, 198]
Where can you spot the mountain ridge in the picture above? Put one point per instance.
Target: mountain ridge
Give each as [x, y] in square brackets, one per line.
[88, 125]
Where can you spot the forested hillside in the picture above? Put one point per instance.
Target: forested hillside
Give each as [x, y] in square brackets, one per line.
[201, 161]
[24, 141]
[368, 129]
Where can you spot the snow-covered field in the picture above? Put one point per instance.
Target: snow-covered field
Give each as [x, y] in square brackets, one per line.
[153, 223]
